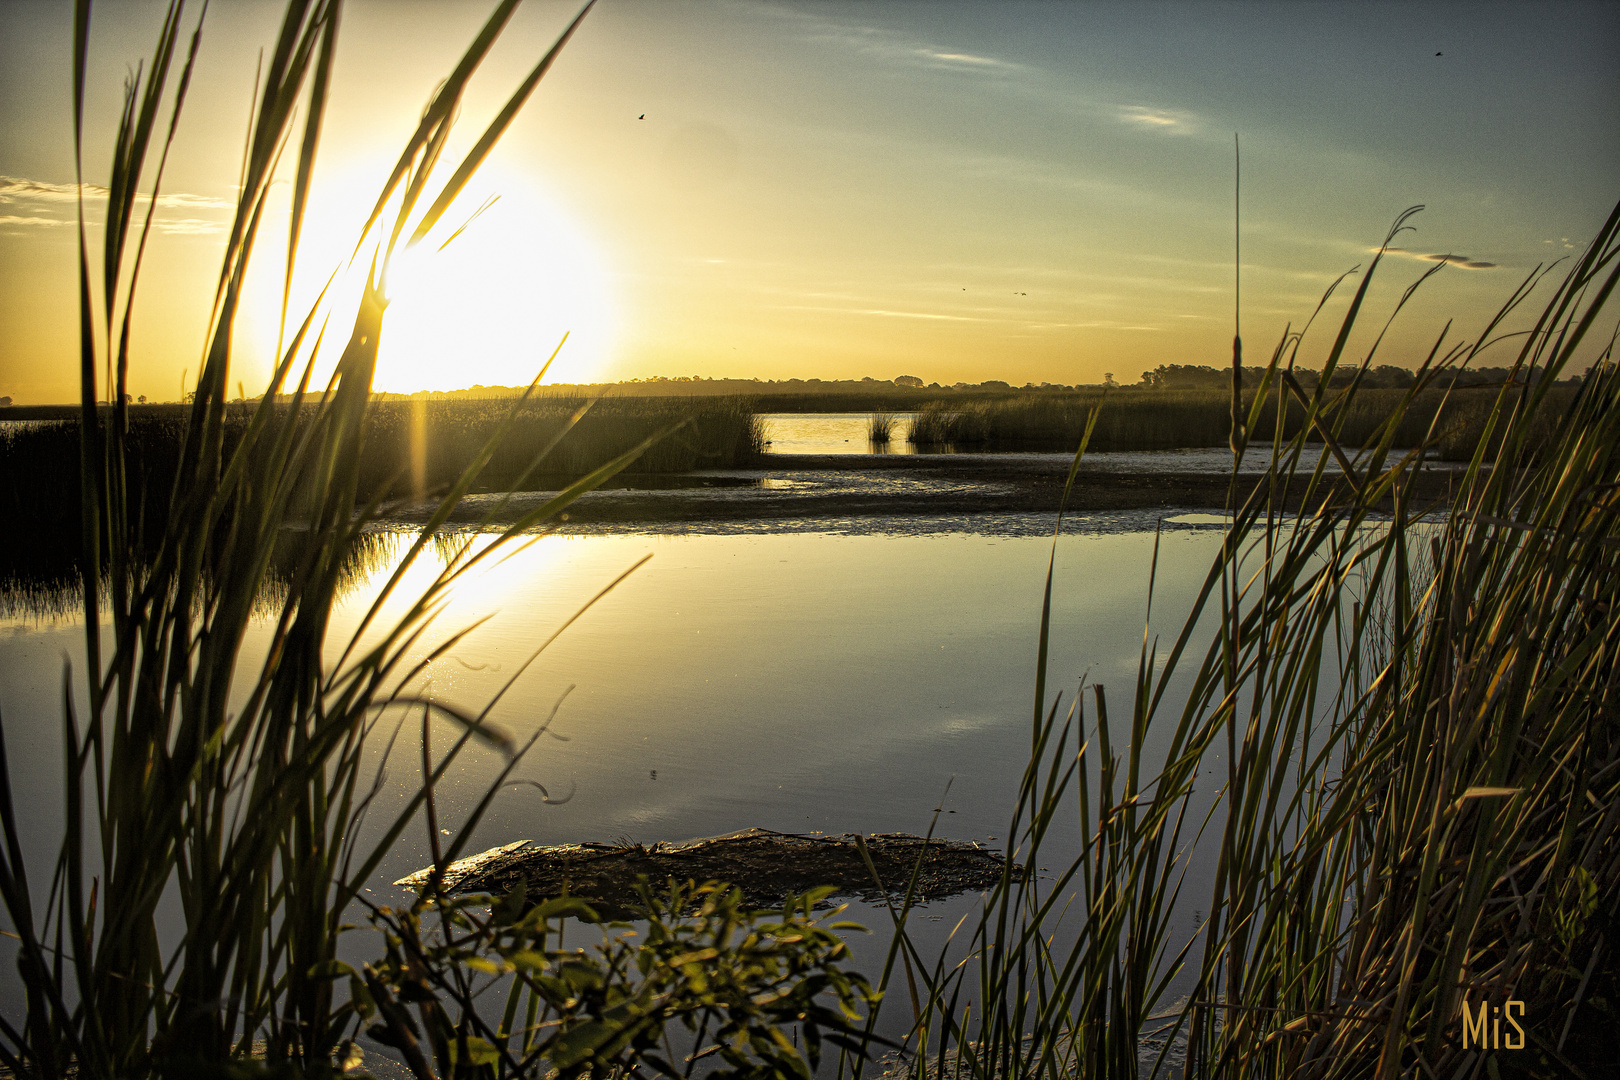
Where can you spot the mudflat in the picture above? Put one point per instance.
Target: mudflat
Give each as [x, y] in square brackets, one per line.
[830, 486]
[767, 866]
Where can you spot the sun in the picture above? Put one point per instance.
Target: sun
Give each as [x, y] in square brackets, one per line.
[485, 301]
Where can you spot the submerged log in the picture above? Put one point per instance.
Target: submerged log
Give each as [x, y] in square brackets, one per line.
[767, 866]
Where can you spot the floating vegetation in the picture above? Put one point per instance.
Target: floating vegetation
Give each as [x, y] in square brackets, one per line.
[769, 867]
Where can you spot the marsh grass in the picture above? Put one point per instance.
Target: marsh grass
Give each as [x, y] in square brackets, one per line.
[39, 463]
[1147, 420]
[1132, 419]
[50, 589]
[43, 528]
[232, 798]
[880, 427]
[1411, 720]
[713, 433]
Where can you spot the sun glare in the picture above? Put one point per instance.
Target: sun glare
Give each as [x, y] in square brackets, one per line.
[489, 305]
[483, 300]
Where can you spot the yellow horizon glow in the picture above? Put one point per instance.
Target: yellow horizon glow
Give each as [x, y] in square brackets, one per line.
[485, 298]
[491, 305]
[787, 191]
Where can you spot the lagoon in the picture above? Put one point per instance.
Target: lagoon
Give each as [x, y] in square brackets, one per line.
[832, 676]
[828, 681]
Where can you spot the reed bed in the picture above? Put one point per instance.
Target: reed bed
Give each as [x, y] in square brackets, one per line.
[1410, 725]
[234, 817]
[407, 450]
[40, 463]
[50, 588]
[714, 433]
[880, 427]
[1135, 419]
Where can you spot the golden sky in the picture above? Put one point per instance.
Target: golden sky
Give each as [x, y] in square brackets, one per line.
[738, 188]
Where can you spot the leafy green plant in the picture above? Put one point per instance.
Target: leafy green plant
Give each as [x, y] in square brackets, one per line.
[736, 981]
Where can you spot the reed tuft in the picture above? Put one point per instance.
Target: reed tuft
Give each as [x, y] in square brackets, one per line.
[1408, 724]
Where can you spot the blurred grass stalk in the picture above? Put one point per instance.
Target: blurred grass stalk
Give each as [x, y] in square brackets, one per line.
[1413, 722]
[240, 809]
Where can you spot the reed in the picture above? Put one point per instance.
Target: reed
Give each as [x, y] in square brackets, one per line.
[1133, 420]
[238, 814]
[713, 433]
[1410, 723]
[880, 427]
[38, 463]
[1151, 419]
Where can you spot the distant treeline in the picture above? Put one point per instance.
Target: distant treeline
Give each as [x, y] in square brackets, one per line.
[902, 394]
[1384, 376]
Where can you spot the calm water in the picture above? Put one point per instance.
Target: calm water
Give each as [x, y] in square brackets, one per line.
[833, 680]
[845, 433]
[816, 675]
[832, 433]
[800, 682]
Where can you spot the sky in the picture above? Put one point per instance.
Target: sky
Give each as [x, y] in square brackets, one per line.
[773, 189]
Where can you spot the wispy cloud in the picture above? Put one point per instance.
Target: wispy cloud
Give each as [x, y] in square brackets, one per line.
[18, 219]
[37, 198]
[1462, 261]
[888, 45]
[1168, 121]
[187, 226]
[962, 60]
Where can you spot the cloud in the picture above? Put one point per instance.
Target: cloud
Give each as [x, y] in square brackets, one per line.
[188, 226]
[961, 60]
[1094, 324]
[16, 189]
[1462, 261]
[179, 200]
[892, 47]
[17, 219]
[44, 196]
[1169, 121]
